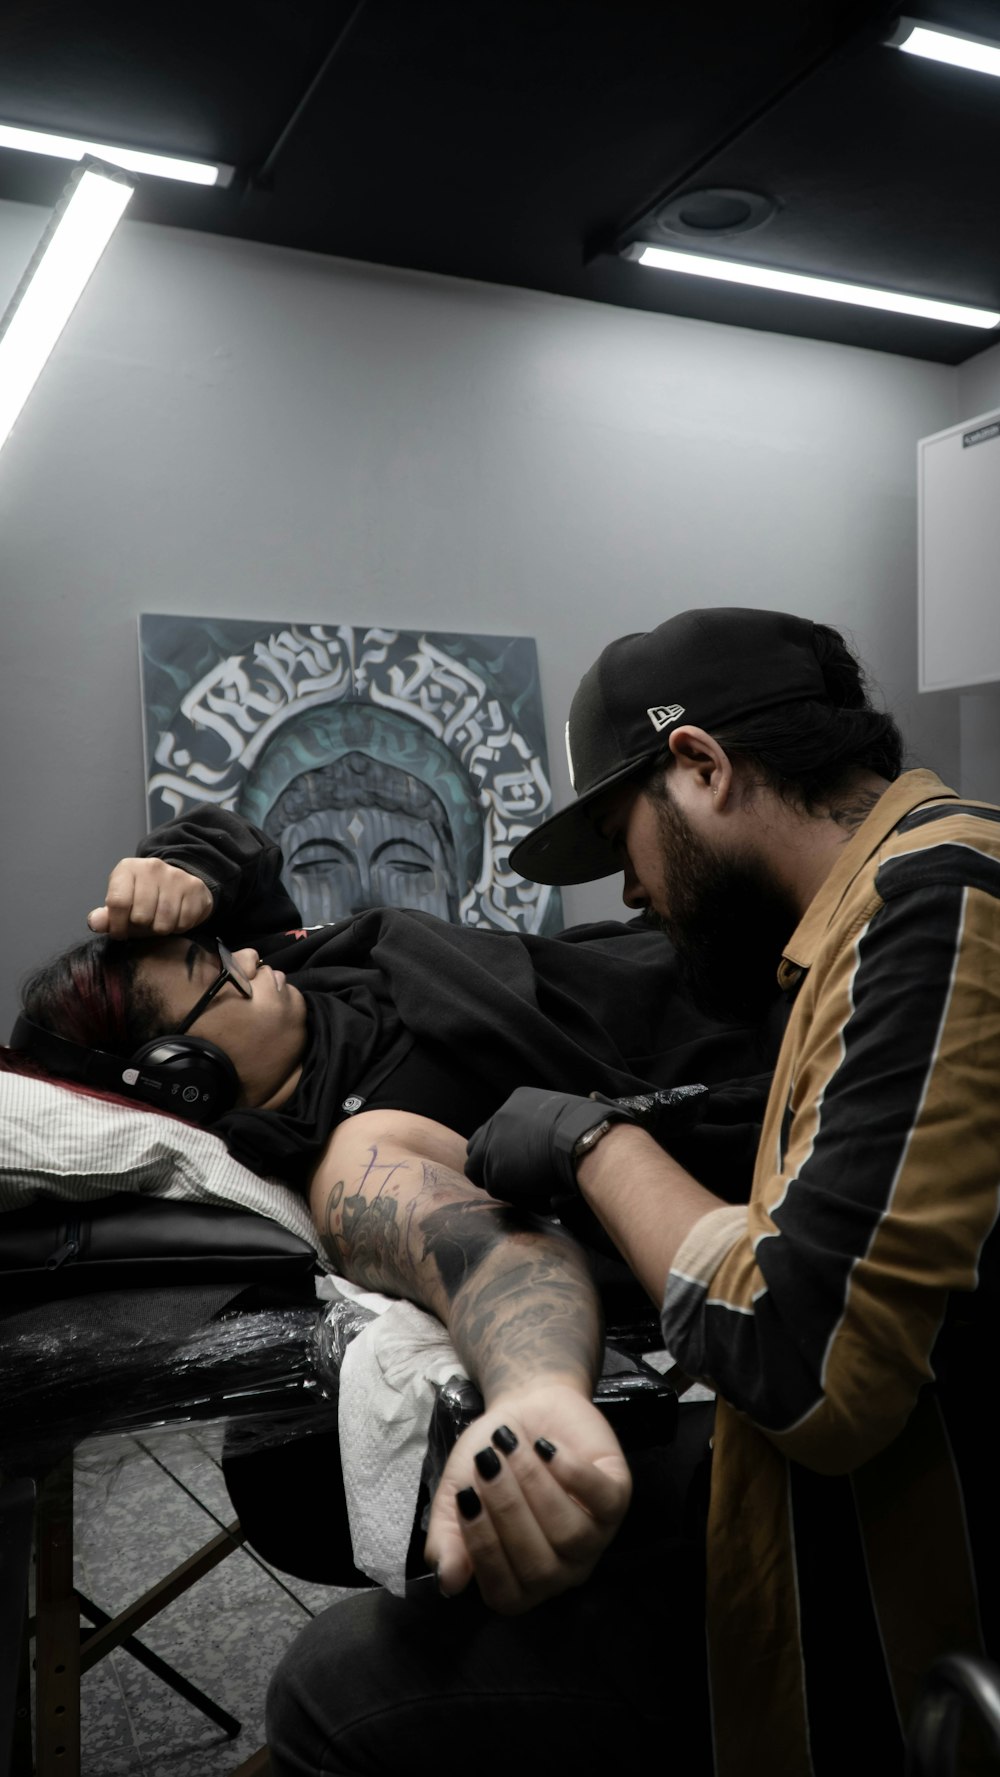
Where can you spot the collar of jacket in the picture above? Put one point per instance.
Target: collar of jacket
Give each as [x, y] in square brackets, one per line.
[907, 793]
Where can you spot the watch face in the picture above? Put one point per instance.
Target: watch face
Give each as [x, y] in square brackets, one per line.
[590, 1138]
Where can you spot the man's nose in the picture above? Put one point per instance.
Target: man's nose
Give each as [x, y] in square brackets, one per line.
[633, 893]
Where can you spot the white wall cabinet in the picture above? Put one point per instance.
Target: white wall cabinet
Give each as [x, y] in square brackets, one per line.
[959, 507]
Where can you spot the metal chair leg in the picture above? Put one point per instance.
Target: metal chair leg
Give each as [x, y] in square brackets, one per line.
[63, 1651]
[17, 1510]
[159, 1668]
[57, 1638]
[22, 1761]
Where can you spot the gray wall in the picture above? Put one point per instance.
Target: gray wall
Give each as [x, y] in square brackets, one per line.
[240, 430]
[977, 383]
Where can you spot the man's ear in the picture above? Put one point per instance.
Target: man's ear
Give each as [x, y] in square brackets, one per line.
[705, 766]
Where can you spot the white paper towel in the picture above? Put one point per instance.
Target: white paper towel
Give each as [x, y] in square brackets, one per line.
[386, 1400]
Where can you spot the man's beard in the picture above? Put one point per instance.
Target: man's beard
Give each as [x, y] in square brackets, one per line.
[728, 921]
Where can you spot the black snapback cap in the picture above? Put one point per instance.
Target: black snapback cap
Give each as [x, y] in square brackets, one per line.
[703, 667]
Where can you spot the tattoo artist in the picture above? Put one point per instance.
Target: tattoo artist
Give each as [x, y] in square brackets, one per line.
[733, 765]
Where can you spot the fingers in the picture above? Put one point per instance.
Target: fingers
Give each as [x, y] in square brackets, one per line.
[532, 1523]
[130, 899]
[525, 1538]
[490, 1514]
[445, 1549]
[150, 896]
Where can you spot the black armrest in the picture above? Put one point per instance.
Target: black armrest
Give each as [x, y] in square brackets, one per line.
[55, 1248]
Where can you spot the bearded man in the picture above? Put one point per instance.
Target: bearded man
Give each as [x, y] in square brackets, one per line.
[733, 766]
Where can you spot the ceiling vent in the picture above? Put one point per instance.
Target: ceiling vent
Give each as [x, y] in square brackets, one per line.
[709, 214]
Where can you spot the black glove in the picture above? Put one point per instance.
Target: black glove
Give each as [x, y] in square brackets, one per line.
[524, 1154]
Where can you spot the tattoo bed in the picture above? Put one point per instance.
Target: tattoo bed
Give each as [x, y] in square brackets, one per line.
[136, 1316]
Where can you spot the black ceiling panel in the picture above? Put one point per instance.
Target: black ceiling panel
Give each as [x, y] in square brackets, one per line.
[521, 143]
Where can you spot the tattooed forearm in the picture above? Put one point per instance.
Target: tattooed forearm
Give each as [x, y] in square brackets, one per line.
[459, 1236]
[524, 1308]
[515, 1292]
[515, 1319]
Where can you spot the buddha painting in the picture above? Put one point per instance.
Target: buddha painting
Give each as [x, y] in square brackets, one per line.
[392, 768]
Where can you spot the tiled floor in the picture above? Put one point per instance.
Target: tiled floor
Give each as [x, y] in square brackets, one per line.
[134, 1522]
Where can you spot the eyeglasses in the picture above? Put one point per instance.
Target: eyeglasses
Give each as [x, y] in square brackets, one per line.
[229, 970]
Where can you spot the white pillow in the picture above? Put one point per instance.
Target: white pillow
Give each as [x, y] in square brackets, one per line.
[65, 1144]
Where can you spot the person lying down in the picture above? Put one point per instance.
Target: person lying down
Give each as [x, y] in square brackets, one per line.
[353, 1061]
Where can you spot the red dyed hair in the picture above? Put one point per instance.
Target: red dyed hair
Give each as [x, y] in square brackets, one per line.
[90, 996]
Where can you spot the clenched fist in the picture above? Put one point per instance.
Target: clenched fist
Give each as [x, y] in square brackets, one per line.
[147, 897]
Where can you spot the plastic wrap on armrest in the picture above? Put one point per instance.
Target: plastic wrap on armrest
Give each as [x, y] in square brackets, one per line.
[137, 1361]
[133, 1361]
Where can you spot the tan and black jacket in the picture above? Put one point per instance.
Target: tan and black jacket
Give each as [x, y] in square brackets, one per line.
[836, 1317]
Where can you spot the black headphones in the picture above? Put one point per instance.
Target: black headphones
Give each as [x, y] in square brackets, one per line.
[186, 1075]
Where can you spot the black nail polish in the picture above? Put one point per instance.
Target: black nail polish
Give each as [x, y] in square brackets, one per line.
[545, 1450]
[469, 1503]
[488, 1463]
[504, 1439]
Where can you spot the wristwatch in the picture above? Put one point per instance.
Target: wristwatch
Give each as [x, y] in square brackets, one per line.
[590, 1138]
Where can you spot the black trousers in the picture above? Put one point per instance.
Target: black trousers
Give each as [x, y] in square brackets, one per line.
[378, 1685]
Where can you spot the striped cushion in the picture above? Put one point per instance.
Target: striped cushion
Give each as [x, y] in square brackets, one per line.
[63, 1144]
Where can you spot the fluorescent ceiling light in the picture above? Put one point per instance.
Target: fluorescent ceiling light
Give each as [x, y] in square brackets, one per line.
[134, 160]
[953, 47]
[730, 271]
[82, 225]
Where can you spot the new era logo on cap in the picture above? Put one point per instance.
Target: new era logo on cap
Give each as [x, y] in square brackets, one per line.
[662, 714]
